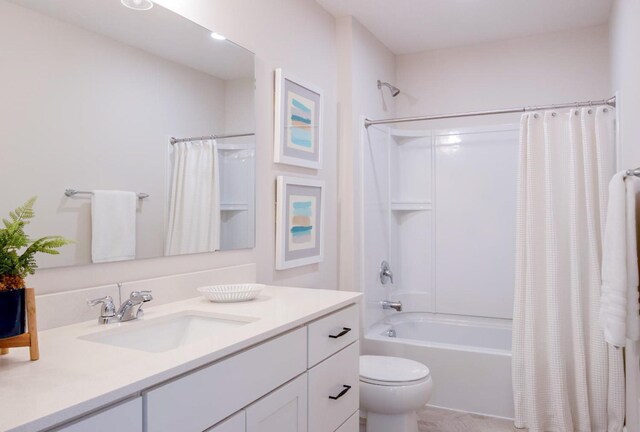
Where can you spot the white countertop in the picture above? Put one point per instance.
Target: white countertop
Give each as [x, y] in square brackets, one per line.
[74, 376]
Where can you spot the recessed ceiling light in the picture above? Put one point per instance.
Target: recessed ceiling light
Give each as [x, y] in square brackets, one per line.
[138, 4]
[217, 36]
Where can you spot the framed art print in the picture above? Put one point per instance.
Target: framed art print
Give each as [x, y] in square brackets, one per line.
[299, 222]
[298, 122]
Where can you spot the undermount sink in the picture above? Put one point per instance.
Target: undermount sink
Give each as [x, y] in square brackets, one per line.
[170, 332]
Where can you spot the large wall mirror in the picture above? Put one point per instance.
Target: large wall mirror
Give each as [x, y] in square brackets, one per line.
[101, 102]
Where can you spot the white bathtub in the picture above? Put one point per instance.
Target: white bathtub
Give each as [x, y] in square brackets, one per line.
[469, 358]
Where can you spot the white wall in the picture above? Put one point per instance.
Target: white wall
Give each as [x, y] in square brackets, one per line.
[88, 112]
[299, 36]
[625, 71]
[544, 69]
[363, 60]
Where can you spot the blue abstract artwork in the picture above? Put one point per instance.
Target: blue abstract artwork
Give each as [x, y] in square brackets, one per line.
[300, 115]
[302, 221]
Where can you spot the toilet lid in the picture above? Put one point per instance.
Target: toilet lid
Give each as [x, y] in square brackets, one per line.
[391, 370]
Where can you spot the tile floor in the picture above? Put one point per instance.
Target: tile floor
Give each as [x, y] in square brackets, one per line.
[441, 420]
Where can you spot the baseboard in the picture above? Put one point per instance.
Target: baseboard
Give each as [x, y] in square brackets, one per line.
[470, 412]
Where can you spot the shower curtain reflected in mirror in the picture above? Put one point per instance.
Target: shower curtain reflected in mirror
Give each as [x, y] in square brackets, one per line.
[565, 377]
[194, 198]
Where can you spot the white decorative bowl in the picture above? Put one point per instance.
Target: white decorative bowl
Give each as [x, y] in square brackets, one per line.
[231, 293]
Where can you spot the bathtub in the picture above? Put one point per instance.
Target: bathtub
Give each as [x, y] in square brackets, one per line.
[469, 358]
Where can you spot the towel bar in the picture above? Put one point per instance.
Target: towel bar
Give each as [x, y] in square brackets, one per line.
[73, 192]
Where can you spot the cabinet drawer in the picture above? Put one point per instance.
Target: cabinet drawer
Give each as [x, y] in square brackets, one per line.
[351, 425]
[237, 423]
[330, 334]
[203, 398]
[328, 379]
[127, 417]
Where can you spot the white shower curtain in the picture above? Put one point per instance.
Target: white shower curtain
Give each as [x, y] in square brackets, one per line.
[194, 199]
[565, 377]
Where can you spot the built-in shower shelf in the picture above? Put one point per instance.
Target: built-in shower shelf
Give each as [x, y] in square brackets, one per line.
[403, 135]
[411, 206]
[234, 207]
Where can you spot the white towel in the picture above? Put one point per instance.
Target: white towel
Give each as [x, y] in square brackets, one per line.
[619, 295]
[632, 184]
[113, 226]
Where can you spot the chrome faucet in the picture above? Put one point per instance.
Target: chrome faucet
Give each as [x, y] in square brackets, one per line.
[129, 310]
[386, 274]
[386, 304]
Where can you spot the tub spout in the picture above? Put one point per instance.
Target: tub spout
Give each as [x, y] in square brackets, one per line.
[397, 306]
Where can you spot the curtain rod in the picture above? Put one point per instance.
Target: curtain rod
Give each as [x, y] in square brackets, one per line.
[611, 102]
[211, 137]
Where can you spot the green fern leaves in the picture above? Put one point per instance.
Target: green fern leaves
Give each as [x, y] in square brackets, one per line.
[24, 213]
[17, 250]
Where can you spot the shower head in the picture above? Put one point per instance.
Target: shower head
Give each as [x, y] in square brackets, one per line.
[395, 91]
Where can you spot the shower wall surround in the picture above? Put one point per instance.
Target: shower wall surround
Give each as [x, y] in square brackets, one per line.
[441, 205]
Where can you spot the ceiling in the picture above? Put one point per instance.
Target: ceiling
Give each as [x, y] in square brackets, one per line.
[409, 26]
[157, 31]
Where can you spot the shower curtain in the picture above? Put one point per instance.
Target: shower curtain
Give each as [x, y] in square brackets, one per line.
[194, 199]
[565, 377]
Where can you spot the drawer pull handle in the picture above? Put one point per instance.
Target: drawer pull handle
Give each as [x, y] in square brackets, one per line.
[344, 331]
[342, 393]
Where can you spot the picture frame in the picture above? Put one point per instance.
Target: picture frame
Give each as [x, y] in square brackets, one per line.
[298, 122]
[299, 222]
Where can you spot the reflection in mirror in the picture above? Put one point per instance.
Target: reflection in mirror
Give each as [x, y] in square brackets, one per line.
[135, 129]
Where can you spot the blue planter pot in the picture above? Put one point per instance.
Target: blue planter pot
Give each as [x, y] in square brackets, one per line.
[12, 313]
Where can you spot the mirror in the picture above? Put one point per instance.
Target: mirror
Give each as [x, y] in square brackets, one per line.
[102, 102]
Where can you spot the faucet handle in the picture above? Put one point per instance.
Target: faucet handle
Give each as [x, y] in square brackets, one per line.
[145, 296]
[386, 274]
[108, 308]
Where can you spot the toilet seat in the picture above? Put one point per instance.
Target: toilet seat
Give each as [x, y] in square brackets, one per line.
[392, 371]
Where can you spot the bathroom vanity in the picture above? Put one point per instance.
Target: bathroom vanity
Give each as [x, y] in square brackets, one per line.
[287, 361]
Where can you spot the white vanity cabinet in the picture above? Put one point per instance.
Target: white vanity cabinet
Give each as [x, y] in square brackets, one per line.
[331, 333]
[124, 417]
[334, 378]
[202, 398]
[305, 380]
[284, 410]
[236, 423]
[334, 390]
[351, 425]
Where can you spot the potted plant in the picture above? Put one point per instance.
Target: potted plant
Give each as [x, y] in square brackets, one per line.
[17, 260]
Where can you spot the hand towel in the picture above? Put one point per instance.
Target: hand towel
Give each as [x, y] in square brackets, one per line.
[113, 226]
[619, 292]
[632, 184]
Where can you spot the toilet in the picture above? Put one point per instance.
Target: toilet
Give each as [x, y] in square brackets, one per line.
[392, 390]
